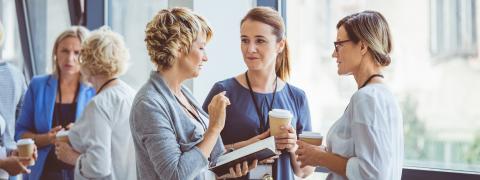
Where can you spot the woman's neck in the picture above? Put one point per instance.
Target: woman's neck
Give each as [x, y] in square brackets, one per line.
[69, 79]
[174, 79]
[367, 69]
[262, 81]
[103, 81]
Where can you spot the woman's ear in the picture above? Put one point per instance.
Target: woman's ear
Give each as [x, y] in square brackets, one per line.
[281, 46]
[363, 48]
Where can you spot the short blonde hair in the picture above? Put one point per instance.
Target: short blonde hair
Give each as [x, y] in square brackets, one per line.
[173, 31]
[76, 32]
[371, 28]
[104, 53]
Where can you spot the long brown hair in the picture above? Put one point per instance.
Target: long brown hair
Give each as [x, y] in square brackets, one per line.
[272, 18]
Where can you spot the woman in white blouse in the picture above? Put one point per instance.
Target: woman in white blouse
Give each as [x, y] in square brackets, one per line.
[101, 139]
[367, 141]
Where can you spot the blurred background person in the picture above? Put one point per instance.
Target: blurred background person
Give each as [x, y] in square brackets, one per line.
[52, 102]
[367, 141]
[101, 139]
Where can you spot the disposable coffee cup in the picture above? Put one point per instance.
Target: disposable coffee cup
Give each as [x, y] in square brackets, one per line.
[62, 136]
[278, 118]
[312, 138]
[25, 148]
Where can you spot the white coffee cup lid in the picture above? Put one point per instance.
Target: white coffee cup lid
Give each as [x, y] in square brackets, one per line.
[25, 141]
[62, 133]
[308, 134]
[280, 113]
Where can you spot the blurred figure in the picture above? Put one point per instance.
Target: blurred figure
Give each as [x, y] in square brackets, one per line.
[52, 102]
[101, 139]
[12, 88]
[367, 141]
[174, 138]
[263, 88]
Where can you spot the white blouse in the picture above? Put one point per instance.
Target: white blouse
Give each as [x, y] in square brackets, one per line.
[102, 136]
[370, 134]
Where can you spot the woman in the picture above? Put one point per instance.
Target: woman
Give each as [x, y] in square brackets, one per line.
[101, 139]
[263, 87]
[367, 141]
[52, 102]
[173, 137]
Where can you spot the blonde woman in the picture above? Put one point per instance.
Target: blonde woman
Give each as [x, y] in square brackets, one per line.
[367, 141]
[52, 102]
[101, 139]
[174, 138]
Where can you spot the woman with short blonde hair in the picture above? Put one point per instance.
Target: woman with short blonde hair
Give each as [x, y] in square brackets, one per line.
[101, 139]
[174, 138]
[53, 102]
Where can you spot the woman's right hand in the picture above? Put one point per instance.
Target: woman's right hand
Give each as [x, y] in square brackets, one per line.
[217, 111]
[254, 140]
[52, 134]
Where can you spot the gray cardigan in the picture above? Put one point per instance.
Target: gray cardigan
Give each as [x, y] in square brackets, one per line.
[165, 138]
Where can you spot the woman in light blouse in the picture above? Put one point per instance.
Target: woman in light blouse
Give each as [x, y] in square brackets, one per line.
[101, 139]
[367, 141]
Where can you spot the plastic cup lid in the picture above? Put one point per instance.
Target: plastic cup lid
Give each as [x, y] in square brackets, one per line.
[25, 141]
[307, 134]
[280, 113]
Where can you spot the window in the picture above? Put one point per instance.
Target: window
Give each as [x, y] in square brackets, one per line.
[453, 28]
[11, 49]
[439, 100]
[129, 18]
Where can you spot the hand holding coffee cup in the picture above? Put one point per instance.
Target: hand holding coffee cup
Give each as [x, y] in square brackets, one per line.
[277, 119]
[312, 138]
[26, 148]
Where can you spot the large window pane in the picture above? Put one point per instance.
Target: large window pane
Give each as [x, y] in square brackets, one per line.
[438, 97]
[129, 18]
[11, 49]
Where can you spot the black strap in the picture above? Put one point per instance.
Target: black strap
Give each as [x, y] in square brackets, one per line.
[60, 120]
[369, 79]
[204, 126]
[263, 122]
[104, 84]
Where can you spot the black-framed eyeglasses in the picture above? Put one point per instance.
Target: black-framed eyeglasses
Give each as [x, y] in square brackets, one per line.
[339, 43]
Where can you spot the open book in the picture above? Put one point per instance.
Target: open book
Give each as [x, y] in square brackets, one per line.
[260, 150]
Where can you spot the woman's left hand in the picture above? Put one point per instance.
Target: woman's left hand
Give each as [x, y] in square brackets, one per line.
[308, 155]
[287, 140]
[66, 153]
[240, 170]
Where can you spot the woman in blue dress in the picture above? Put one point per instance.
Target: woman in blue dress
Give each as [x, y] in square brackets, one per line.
[261, 88]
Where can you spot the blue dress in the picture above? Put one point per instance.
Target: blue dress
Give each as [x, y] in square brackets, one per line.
[242, 121]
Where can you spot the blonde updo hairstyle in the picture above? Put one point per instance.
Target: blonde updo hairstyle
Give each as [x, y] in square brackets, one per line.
[78, 32]
[172, 32]
[104, 53]
[371, 28]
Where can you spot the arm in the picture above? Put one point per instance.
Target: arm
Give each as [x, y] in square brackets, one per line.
[310, 155]
[152, 129]
[92, 135]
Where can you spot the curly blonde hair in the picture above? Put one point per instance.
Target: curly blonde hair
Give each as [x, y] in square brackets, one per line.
[104, 53]
[78, 32]
[171, 32]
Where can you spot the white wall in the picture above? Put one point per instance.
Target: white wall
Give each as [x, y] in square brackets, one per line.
[224, 55]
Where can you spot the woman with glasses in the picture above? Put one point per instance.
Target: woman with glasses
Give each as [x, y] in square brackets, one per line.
[52, 103]
[367, 141]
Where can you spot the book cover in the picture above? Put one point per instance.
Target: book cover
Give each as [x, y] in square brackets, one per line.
[260, 150]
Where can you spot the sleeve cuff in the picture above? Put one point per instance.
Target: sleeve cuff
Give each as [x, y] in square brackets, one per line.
[78, 168]
[352, 170]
